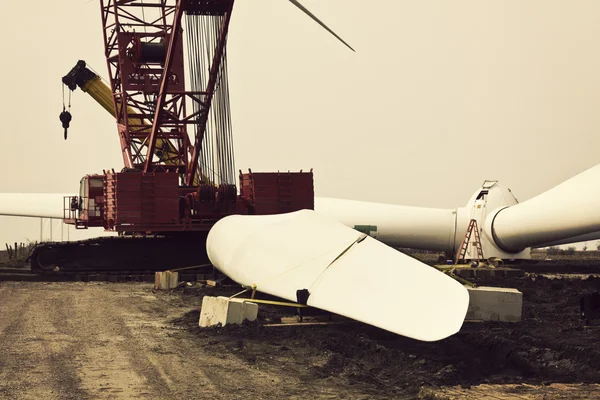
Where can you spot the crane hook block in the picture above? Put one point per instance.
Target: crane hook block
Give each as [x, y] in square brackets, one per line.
[65, 118]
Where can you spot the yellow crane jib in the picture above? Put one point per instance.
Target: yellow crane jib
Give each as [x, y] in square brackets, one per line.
[91, 83]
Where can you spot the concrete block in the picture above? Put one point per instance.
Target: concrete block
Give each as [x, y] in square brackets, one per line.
[214, 311]
[495, 304]
[223, 310]
[250, 310]
[166, 280]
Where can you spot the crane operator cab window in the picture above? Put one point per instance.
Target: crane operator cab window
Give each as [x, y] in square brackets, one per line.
[89, 189]
[96, 191]
[83, 194]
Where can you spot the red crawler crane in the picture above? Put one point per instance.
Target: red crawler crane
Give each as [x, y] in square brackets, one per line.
[174, 125]
[156, 113]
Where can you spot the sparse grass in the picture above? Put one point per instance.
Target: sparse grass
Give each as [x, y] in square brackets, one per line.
[17, 259]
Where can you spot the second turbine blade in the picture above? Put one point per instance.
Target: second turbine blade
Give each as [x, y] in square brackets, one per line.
[307, 12]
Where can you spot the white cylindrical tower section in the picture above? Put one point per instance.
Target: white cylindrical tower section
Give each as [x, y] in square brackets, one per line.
[567, 210]
[396, 226]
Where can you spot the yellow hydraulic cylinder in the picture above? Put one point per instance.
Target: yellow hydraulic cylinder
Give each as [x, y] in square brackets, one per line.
[100, 92]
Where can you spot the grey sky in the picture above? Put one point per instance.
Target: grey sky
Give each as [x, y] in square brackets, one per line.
[439, 96]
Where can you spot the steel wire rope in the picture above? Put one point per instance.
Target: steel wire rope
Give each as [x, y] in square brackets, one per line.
[216, 155]
[192, 77]
[218, 112]
[224, 113]
[195, 43]
[188, 41]
[228, 116]
[207, 136]
[193, 68]
[225, 117]
[220, 109]
[214, 105]
[224, 93]
[144, 16]
[214, 128]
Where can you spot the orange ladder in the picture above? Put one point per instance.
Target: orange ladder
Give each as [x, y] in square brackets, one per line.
[465, 243]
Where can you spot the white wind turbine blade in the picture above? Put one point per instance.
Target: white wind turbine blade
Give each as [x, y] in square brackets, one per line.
[317, 20]
[344, 271]
[37, 205]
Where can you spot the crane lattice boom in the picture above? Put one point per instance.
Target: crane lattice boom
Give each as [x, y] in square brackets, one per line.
[164, 124]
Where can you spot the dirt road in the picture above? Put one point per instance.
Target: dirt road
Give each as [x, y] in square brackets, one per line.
[74, 340]
[115, 341]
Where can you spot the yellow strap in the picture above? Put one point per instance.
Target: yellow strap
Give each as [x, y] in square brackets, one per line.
[237, 294]
[195, 266]
[278, 303]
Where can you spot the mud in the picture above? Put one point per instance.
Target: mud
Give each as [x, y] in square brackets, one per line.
[94, 340]
[550, 345]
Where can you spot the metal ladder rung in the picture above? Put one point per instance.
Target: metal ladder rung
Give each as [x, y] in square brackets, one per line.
[465, 243]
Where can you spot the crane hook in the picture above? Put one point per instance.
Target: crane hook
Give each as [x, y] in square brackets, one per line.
[65, 118]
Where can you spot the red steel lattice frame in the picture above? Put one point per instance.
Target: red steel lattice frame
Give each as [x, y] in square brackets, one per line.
[151, 113]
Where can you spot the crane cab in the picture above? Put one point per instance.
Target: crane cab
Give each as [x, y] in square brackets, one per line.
[86, 209]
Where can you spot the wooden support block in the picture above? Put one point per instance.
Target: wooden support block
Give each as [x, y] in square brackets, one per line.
[166, 280]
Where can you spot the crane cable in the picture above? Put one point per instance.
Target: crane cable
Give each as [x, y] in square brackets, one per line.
[216, 156]
[65, 116]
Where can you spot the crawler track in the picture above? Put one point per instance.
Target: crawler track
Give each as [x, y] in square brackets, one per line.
[125, 255]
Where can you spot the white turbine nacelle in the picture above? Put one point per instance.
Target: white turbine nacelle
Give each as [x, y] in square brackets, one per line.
[482, 207]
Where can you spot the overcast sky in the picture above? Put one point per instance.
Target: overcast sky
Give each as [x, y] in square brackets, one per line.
[440, 96]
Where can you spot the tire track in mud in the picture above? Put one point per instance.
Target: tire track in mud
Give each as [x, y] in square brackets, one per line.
[186, 369]
[111, 363]
[102, 370]
[194, 368]
[125, 354]
[74, 340]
